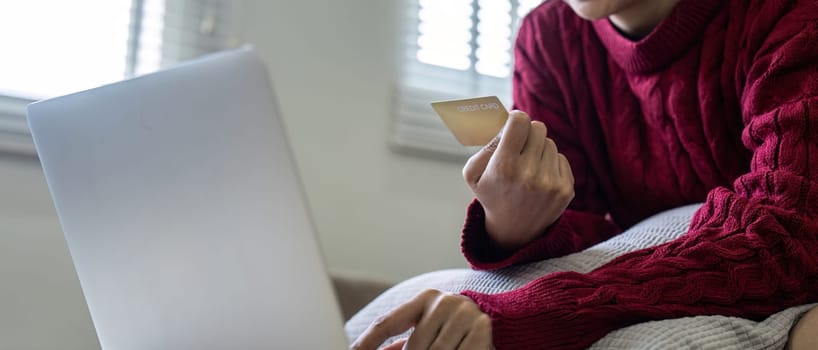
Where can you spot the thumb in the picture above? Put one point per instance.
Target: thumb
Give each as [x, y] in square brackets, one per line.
[477, 163]
[398, 345]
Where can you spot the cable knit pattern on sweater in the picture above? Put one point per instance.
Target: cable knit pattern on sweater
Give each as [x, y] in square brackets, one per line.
[719, 103]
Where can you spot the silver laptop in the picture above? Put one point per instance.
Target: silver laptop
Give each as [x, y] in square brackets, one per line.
[184, 213]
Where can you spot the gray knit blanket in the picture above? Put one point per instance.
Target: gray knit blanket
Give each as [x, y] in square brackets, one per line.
[703, 332]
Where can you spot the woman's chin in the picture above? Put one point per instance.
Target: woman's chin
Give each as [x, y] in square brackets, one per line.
[590, 9]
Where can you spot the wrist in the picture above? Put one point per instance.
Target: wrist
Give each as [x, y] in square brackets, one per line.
[505, 238]
[549, 305]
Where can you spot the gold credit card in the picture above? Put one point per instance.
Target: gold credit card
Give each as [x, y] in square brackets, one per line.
[473, 121]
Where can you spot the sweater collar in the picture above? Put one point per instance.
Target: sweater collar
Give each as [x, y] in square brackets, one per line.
[666, 42]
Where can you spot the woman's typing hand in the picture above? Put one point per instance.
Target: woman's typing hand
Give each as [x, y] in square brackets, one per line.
[440, 320]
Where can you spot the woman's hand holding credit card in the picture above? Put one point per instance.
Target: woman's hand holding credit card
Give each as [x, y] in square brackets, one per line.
[523, 183]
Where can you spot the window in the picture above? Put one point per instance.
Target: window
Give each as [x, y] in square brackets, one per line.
[87, 55]
[477, 37]
[55, 47]
[453, 49]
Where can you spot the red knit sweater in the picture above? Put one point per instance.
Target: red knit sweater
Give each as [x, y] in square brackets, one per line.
[719, 104]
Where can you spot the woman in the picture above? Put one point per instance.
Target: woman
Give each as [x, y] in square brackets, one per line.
[640, 106]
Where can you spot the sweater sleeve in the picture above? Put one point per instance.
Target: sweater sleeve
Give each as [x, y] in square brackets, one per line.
[750, 250]
[584, 223]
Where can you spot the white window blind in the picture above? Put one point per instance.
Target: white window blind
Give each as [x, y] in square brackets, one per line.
[55, 47]
[453, 49]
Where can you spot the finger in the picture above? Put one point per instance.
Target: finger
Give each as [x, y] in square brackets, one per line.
[429, 327]
[397, 345]
[477, 339]
[454, 330]
[550, 158]
[565, 168]
[535, 142]
[477, 163]
[395, 322]
[514, 134]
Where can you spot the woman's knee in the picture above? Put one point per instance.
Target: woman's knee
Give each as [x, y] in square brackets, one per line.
[804, 335]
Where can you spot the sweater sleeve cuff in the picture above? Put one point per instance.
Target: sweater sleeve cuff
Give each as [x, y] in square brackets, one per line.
[551, 311]
[557, 240]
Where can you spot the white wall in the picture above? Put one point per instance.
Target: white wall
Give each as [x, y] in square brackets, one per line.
[41, 304]
[378, 213]
[334, 64]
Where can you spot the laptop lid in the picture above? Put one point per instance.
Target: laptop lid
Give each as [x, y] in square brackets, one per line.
[184, 213]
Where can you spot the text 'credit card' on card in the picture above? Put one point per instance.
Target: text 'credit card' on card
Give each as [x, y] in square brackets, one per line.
[473, 121]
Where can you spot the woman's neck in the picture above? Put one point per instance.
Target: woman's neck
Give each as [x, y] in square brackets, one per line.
[639, 19]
